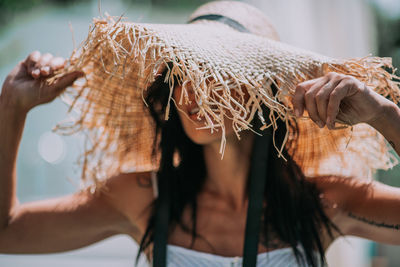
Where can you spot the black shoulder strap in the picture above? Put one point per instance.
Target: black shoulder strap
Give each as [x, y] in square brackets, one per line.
[258, 174]
[161, 225]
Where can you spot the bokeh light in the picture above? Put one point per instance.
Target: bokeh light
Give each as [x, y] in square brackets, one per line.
[51, 148]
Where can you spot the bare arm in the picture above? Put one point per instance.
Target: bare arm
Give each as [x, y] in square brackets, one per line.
[372, 212]
[367, 209]
[61, 224]
[51, 225]
[11, 127]
[78, 220]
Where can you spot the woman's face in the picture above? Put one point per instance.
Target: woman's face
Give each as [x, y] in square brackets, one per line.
[188, 114]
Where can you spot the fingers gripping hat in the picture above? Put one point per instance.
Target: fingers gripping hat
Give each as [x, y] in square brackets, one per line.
[228, 50]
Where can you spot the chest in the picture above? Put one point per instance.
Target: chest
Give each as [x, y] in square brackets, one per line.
[219, 232]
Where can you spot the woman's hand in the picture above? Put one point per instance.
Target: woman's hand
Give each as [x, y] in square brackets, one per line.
[27, 86]
[337, 96]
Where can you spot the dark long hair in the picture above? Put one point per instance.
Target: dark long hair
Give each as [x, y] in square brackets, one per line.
[293, 208]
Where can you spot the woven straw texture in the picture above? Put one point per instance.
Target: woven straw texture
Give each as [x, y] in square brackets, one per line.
[121, 59]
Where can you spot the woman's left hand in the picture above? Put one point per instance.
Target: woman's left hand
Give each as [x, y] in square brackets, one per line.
[337, 96]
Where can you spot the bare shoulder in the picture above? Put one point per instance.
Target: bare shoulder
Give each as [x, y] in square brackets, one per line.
[338, 192]
[132, 194]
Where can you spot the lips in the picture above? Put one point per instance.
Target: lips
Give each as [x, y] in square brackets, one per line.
[193, 114]
[194, 111]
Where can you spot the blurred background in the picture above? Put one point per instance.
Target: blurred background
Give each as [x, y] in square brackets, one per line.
[47, 162]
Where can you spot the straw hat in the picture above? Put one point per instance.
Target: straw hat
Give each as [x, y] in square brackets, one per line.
[237, 52]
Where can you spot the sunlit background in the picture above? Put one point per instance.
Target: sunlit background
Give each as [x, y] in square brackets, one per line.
[47, 162]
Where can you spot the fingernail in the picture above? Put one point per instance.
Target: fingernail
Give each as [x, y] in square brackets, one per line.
[45, 69]
[36, 72]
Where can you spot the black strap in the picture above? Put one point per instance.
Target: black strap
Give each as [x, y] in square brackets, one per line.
[161, 225]
[220, 18]
[258, 174]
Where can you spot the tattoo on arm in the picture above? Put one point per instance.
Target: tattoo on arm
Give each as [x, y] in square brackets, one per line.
[371, 222]
[144, 182]
[392, 144]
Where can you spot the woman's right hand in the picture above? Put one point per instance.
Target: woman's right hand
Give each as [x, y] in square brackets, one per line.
[27, 84]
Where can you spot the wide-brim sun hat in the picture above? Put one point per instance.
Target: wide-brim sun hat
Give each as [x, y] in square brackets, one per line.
[228, 50]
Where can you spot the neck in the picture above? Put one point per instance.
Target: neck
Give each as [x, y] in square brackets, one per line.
[227, 177]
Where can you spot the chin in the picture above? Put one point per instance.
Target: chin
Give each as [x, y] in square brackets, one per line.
[199, 136]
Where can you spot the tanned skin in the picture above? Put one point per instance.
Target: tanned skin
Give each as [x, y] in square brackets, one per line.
[358, 207]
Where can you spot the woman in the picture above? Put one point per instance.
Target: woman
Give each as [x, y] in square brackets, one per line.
[208, 215]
